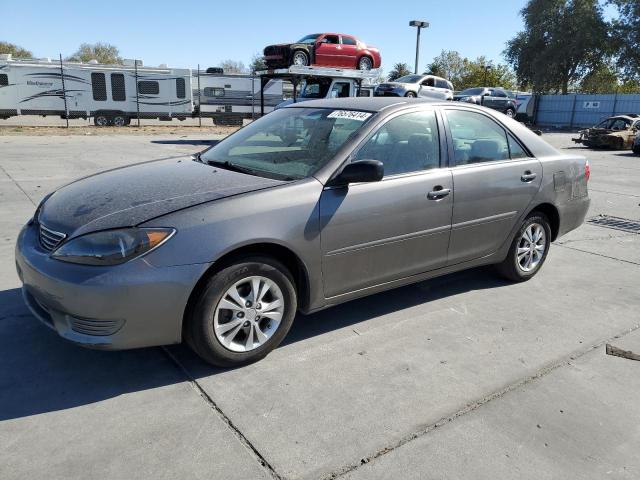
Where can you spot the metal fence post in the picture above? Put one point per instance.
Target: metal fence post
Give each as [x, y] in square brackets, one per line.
[253, 96]
[573, 109]
[64, 93]
[135, 66]
[199, 100]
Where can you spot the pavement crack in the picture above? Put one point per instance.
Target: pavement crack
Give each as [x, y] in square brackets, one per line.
[235, 430]
[597, 254]
[18, 185]
[472, 406]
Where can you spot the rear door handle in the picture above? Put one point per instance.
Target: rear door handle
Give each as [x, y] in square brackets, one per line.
[528, 176]
[438, 193]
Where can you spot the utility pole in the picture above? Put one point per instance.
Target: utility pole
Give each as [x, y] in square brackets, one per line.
[419, 24]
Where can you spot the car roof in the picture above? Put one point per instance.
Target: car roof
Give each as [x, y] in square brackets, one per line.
[370, 104]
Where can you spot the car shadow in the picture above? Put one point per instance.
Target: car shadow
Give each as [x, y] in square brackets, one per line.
[43, 373]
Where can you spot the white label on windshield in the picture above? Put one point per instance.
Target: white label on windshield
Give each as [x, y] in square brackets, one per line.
[350, 115]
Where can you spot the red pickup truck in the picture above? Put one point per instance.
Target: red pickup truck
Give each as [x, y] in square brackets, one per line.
[323, 49]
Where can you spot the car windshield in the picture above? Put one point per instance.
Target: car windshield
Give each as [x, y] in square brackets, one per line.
[315, 88]
[309, 38]
[287, 144]
[472, 91]
[409, 79]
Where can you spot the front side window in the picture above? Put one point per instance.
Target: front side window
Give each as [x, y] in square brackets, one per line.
[316, 88]
[180, 88]
[289, 144]
[476, 138]
[340, 90]
[332, 39]
[428, 82]
[406, 143]
[146, 87]
[99, 87]
[118, 93]
[4, 80]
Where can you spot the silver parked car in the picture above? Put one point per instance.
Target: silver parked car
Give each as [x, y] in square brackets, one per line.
[425, 86]
[312, 205]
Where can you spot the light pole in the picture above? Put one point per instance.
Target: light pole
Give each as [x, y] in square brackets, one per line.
[486, 69]
[419, 24]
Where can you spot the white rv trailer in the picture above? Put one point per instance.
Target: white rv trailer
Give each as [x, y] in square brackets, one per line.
[107, 93]
[230, 98]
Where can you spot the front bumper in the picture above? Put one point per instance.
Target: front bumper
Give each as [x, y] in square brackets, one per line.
[125, 306]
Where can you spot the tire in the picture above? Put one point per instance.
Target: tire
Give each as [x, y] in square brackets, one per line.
[209, 312]
[120, 120]
[510, 112]
[365, 63]
[101, 120]
[410, 95]
[512, 267]
[300, 59]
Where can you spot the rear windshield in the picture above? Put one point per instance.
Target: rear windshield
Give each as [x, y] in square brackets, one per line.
[288, 144]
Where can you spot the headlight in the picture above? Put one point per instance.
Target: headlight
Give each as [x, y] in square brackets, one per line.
[112, 247]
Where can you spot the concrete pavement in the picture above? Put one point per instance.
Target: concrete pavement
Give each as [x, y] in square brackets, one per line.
[459, 377]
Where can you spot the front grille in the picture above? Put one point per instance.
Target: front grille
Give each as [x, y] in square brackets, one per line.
[90, 326]
[617, 223]
[50, 239]
[274, 50]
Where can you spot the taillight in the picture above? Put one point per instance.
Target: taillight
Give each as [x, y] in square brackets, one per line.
[587, 170]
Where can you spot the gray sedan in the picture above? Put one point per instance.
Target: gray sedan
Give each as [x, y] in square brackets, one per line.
[311, 206]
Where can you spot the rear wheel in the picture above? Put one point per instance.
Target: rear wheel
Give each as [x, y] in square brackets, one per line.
[365, 63]
[528, 250]
[120, 120]
[300, 59]
[243, 312]
[101, 120]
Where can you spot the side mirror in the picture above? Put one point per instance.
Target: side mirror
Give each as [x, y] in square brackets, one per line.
[360, 171]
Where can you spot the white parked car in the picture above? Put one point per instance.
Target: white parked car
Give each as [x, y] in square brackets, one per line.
[417, 86]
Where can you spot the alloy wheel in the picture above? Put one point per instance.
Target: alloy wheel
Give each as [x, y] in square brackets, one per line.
[300, 59]
[102, 121]
[531, 247]
[365, 63]
[248, 314]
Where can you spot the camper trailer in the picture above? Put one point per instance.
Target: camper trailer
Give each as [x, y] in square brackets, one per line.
[230, 98]
[111, 94]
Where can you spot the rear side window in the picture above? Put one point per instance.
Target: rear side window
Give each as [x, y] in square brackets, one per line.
[515, 150]
[348, 41]
[99, 87]
[406, 143]
[118, 93]
[442, 84]
[180, 88]
[499, 93]
[476, 138]
[147, 87]
[4, 80]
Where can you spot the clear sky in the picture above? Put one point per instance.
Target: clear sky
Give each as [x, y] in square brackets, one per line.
[183, 33]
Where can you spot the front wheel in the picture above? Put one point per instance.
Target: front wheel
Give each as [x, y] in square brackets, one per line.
[101, 120]
[120, 120]
[510, 112]
[243, 312]
[410, 95]
[528, 250]
[300, 59]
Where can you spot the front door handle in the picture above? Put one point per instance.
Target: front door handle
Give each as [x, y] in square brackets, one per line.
[528, 176]
[438, 193]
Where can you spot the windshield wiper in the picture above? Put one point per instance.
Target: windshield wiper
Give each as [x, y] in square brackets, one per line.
[233, 167]
[198, 157]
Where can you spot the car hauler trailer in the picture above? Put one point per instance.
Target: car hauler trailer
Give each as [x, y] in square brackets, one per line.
[321, 82]
[230, 98]
[111, 94]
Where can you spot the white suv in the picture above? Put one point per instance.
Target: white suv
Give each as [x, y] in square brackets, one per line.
[417, 86]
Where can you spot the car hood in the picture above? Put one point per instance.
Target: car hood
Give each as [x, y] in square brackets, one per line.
[131, 195]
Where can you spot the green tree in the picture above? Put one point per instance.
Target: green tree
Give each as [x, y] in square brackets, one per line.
[626, 37]
[257, 63]
[482, 73]
[104, 53]
[232, 66]
[450, 65]
[562, 42]
[399, 70]
[603, 79]
[15, 50]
